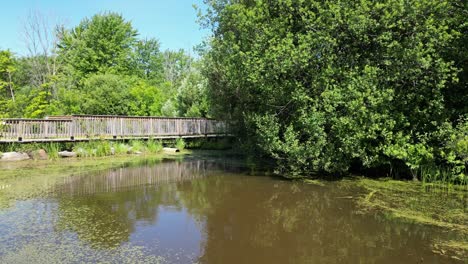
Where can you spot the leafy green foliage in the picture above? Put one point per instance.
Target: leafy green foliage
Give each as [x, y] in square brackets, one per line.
[101, 67]
[101, 92]
[327, 85]
[191, 95]
[7, 68]
[99, 45]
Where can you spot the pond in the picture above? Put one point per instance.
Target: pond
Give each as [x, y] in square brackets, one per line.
[203, 210]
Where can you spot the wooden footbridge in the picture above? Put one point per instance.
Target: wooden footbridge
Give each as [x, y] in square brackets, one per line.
[91, 127]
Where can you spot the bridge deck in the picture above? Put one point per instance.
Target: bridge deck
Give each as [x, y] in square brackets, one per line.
[85, 128]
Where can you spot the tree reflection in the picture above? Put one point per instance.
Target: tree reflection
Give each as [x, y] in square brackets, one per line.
[102, 209]
[243, 219]
[260, 220]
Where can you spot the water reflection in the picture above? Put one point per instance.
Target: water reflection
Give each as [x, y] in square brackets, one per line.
[210, 212]
[103, 208]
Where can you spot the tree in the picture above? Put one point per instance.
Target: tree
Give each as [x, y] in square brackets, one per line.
[326, 85]
[7, 68]
[191, 94]
[176, 65]
[102, 44]
[41, 37]
[146, 99]
[148, 60]
[105, 94]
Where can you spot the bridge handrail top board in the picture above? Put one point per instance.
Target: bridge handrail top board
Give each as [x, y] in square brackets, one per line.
[71, 117]
[144, 117]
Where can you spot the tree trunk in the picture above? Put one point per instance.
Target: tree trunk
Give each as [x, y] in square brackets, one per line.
[11, 86]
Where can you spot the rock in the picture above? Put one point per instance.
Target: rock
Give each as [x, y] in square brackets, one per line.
[129, 150]
[14, 156]
[171, 149]
[67, 154]
[40, 154]
[137, 152]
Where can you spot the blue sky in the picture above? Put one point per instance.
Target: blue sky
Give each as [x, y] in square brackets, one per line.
[173, 22]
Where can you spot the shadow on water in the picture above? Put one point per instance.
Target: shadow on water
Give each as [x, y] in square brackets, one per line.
[212, 211]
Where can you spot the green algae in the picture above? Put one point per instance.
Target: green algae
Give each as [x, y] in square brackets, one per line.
[456, 249]
[413, 202]
[313, 182]
[48, 251]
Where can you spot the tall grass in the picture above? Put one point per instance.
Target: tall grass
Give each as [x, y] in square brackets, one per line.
[137, 145]
[52, 150]
[120, 148]
[153, 146]
[99, 148]
[103, 148]
[180, 144]
[83, 149]
[442, 177]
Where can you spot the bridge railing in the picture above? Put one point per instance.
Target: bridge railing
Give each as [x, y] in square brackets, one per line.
[87, 127]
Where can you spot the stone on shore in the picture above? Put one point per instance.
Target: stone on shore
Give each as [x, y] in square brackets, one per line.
[40, 154]
[14, 156]
[171, 150]
[67, 154]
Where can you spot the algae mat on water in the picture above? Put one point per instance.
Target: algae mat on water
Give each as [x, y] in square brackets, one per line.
[438, 206]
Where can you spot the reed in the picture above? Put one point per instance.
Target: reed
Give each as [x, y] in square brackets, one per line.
[180, 144]
[153, 146]
[442, 177]
[137, 145]
[52, 150]
[120, 148]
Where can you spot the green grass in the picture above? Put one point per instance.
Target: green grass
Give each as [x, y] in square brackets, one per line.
[137, 145]
[180, 144]
[103, 148]
[442, 177]
[120, 148]
[52, 150]
[153, 146]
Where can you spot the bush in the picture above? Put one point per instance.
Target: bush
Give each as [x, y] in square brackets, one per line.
[334, 86]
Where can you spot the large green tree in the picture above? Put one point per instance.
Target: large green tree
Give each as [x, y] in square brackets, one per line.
[102, 44]
[148, 60]
[325, 85]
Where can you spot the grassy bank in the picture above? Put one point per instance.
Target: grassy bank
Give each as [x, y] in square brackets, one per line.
[95, 148]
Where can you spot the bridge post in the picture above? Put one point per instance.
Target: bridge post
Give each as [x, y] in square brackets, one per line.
[20, 130]
[72, 129]
[150, 130]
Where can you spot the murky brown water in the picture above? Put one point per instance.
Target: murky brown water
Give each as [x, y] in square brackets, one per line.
[201, 211]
